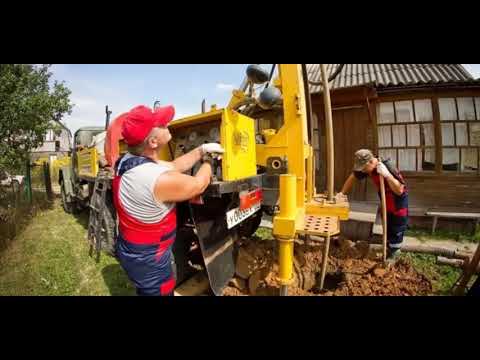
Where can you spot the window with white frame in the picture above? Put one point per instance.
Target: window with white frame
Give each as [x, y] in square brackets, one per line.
[406, 134]
[460, 129]
[50, 135]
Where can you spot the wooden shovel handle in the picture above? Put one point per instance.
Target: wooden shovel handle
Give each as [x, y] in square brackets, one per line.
[384, 216]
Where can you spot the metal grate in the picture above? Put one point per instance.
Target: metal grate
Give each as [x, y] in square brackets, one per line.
[321, 225]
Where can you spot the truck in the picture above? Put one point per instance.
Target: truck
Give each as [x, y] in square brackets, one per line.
[264, 135]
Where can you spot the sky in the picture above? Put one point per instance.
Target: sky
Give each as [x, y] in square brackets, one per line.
[124, 86]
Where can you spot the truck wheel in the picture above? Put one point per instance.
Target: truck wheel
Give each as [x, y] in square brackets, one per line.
[67, 206]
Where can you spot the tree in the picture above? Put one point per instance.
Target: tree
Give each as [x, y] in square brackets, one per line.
[29, 102]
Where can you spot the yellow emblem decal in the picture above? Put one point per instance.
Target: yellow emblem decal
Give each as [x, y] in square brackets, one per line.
[240, 139]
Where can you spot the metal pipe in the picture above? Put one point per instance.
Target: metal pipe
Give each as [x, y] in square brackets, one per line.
[288, 210]
[28, 181]
[311, 178]
[329, 130]
[107, 118]
[270, 76]
[326, 249]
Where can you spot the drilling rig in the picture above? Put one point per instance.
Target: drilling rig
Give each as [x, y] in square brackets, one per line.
[268, 167]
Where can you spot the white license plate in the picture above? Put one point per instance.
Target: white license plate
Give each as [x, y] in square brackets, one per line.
[236, 216]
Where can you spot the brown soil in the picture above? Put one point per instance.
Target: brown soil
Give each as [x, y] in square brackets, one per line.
[352, 270]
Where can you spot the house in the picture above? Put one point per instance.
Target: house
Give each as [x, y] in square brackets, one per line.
[424, 117]
[56, 143]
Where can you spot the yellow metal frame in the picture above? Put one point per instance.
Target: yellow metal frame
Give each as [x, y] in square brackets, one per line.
[239, 160]
[297, 190]
[87, 160]
[237, 137]
[286, 143]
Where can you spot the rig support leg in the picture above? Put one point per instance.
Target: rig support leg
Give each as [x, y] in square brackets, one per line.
[284, 230]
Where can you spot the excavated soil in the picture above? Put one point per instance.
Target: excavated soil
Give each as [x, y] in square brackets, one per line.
[353, 270]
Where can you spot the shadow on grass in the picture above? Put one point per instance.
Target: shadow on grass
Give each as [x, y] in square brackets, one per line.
[82, 217]
[117, 281]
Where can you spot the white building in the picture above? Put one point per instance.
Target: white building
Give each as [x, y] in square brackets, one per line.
[54, 145]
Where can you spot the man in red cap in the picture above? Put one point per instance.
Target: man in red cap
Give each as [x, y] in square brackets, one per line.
[145, 192]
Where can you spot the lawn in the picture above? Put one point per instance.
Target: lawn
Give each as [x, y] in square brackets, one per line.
[440, 234]
[442, 277]
[50, 257]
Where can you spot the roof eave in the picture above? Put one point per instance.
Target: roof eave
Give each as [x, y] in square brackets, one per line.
[464, 84]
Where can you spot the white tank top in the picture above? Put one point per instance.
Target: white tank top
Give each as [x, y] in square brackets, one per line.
[136, 192]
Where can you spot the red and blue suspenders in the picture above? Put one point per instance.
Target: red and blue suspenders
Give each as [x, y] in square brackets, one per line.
[144, 250]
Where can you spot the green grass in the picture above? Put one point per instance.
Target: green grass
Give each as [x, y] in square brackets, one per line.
[19, 214]
[442, 276]
[50, 257]
[264, 233]
[425, 235]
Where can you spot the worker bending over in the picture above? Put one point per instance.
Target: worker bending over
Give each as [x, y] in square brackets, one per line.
[145, 192]
[396, 193]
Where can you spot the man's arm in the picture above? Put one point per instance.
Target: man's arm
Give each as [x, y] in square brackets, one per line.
[396, 186]
[175, 186]
[348, 184]
[187, 161]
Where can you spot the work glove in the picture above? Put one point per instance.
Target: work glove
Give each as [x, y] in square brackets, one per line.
[212, 148]
[382, 170]
[340, 197]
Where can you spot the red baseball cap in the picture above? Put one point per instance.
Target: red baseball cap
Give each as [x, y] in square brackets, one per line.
[141, 120]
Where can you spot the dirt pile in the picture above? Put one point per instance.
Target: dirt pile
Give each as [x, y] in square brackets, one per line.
[398, 280]
[352, 270]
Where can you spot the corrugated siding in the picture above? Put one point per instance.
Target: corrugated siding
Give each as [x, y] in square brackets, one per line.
[391, 75]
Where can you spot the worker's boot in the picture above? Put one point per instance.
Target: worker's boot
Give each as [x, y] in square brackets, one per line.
[392, 256]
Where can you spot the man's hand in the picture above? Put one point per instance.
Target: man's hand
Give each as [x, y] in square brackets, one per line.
[212, 148]
[396, 186]
[340, 197]
[382, 170]
[187, 161]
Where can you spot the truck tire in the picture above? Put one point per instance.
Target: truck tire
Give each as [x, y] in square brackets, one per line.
[68, 207]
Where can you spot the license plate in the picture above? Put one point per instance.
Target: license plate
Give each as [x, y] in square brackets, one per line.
[236, 216]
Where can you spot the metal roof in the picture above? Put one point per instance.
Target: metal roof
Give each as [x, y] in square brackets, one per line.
[390, 75]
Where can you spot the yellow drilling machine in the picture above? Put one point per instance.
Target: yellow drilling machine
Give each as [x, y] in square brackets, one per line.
[268, 167]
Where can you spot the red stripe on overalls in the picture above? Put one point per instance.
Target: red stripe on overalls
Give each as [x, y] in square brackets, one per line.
[167, 287]
[161, 233]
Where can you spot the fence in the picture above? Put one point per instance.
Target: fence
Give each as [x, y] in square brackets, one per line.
[23, 194]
